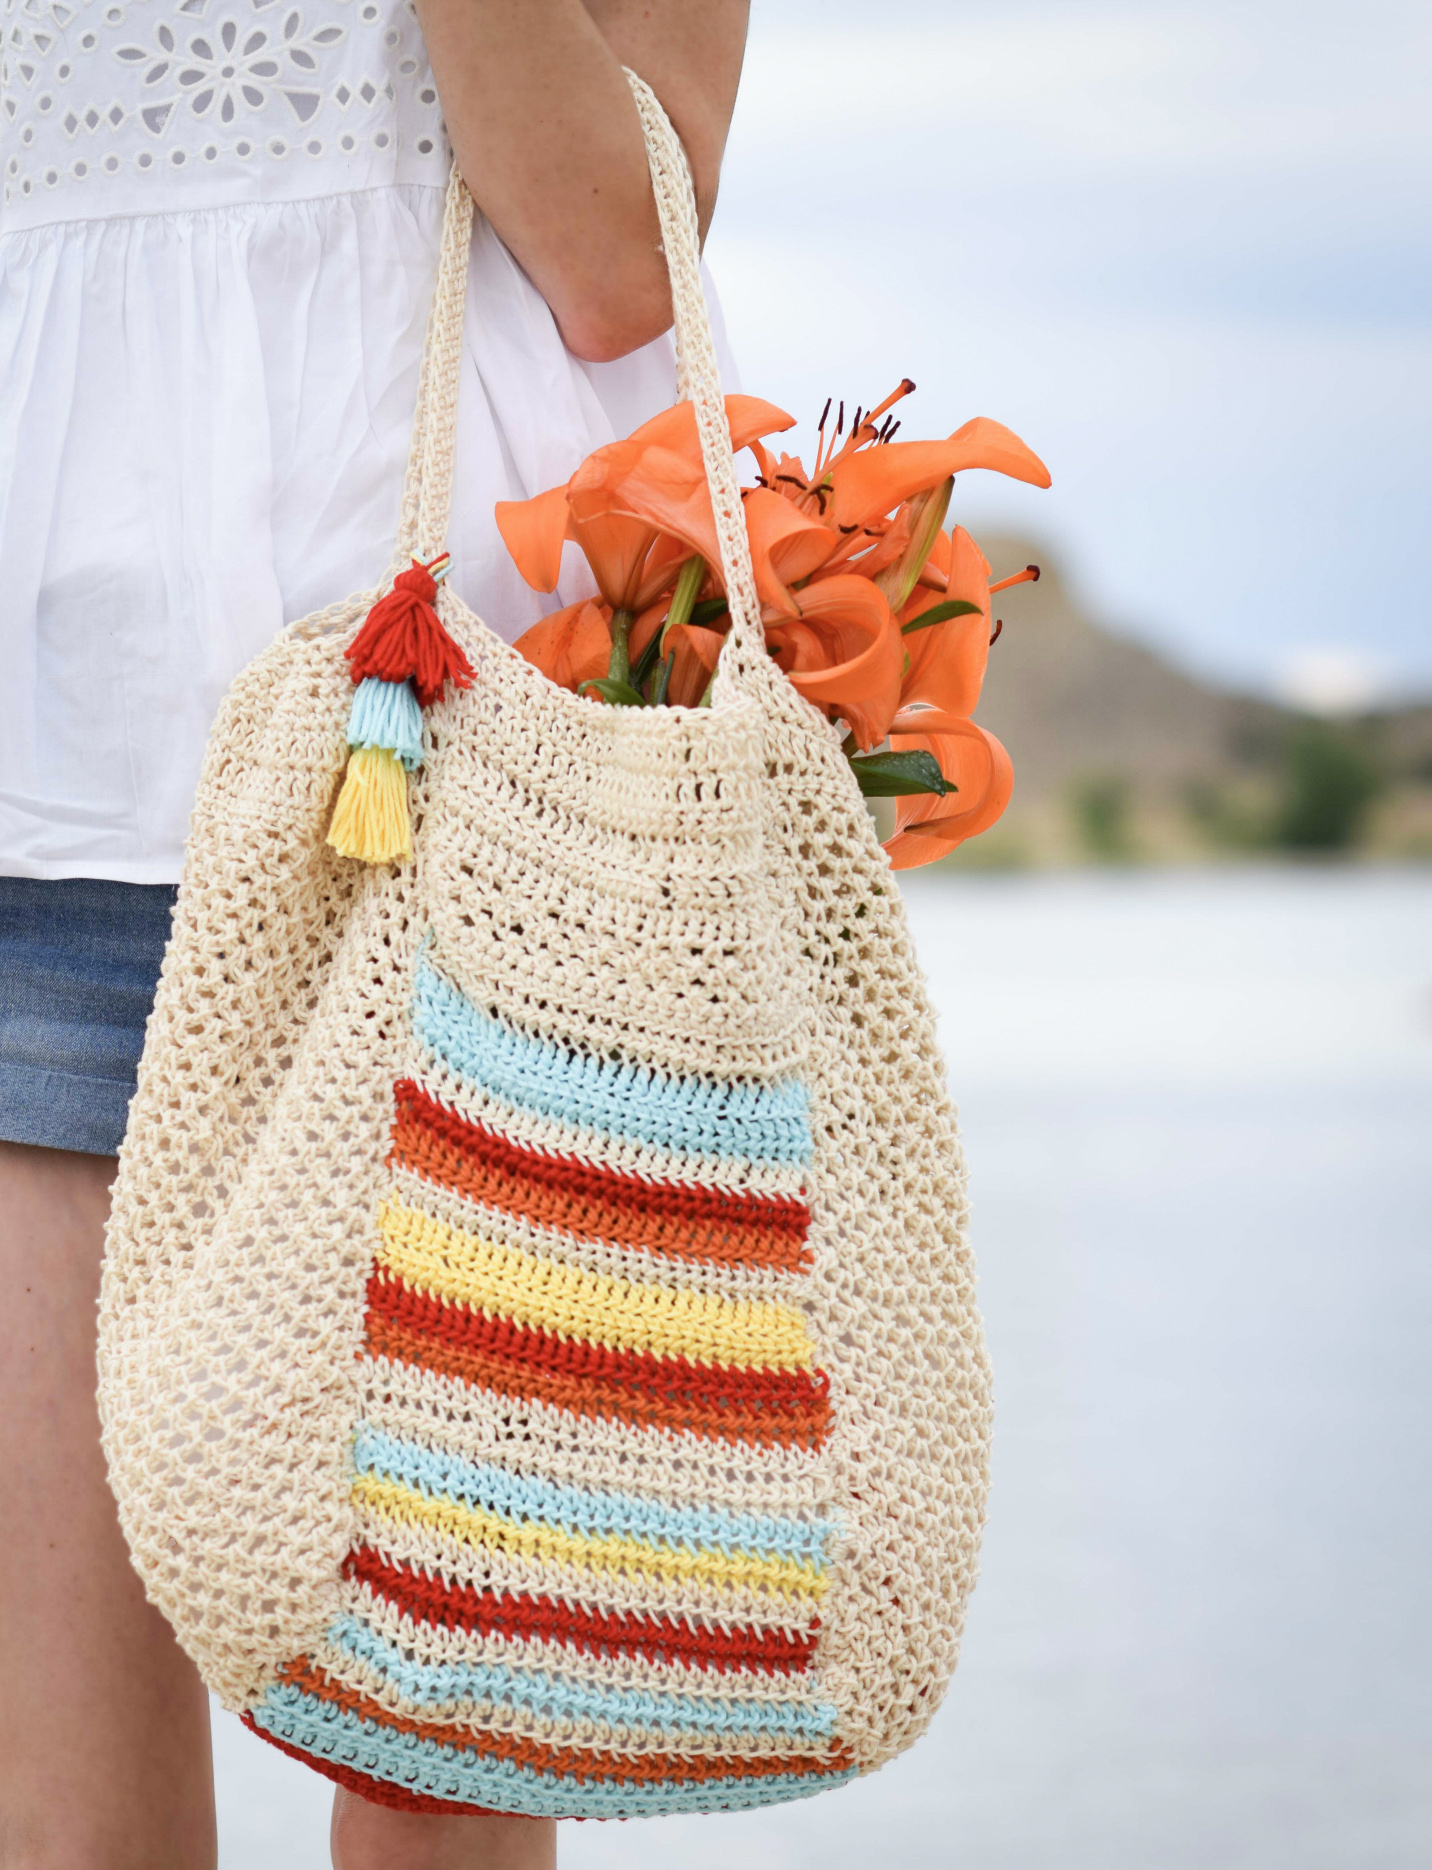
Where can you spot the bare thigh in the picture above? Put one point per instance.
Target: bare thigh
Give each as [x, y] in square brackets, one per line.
[104, 1725]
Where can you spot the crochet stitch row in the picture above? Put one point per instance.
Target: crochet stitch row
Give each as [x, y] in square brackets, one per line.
[664, 1321]
[572, 1761]
[642, 1377]
[559, 1697]
[757, 1408]
[625, 1558]
[592, 1202]
[429, 1597]
[763, 1123]
[482, 1781]
[491, 1489]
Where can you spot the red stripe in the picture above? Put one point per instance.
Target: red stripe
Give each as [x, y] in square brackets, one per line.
[505, 1614]
[597, 1203]
[784, 1405]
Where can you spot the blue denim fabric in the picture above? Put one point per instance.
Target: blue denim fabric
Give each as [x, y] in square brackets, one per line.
[79, 962]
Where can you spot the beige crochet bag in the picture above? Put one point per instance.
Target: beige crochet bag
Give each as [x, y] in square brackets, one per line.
[539, 1359]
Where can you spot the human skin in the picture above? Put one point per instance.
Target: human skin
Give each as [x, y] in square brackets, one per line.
[104, 1724]
[547, 138]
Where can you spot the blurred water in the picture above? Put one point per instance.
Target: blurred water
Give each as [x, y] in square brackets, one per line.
[1198, 1110]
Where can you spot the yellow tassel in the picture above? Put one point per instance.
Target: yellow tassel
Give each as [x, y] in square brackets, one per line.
[370, 820]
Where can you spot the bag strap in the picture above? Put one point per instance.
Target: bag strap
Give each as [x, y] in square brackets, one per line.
[427, 488]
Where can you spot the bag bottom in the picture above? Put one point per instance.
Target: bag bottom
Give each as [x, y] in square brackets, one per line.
[390, 1767]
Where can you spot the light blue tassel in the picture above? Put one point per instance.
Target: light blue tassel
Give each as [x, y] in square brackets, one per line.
[386, 714]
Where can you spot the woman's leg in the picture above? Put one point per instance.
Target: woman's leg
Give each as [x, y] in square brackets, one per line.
[104, 1724]
[374, 1837]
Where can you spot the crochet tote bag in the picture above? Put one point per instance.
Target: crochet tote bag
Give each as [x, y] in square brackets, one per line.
[540, 1368]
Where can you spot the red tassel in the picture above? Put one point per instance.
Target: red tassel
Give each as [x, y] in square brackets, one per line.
[403, 638]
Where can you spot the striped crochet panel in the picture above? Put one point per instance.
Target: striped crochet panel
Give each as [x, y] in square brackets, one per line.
[591, 1541]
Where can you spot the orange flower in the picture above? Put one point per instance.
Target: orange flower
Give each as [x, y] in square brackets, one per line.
[844, 653]
[571, 646]
[697, 651]
[786, 546]
[947, 660]
[616, 545]
[637, 493]
[927, 826]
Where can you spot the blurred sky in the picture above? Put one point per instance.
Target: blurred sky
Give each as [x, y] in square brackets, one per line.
[1185, 250]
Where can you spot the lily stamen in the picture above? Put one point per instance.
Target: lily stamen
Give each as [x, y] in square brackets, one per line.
[1030, 575]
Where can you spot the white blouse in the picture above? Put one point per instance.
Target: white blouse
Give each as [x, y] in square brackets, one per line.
[217, 243]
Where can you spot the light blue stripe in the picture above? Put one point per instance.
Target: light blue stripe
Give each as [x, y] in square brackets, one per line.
[562, 1698]
[386, 714]
[574, 1509]
[760, 1123]
[443, 1772]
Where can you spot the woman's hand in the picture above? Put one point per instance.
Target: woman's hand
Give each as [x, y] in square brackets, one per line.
[547, 138]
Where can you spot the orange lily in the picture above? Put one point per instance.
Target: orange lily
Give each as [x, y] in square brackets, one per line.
[535, 530]
[843, 652]
[863, 485]
[927, 826]
[629, 489]
[786, 546]
[571, 646]
[697, 651]
[947, 660]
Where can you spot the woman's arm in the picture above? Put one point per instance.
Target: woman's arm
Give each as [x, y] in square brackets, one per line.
[547, 138]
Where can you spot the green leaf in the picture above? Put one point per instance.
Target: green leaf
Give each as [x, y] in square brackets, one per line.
[706, 613]
[941, 613]
[898, 775]
[619, 694]
[646, 661]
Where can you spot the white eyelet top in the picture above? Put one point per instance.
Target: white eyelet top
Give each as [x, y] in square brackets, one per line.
[218, 236]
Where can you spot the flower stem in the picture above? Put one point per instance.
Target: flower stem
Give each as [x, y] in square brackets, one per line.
[683, 598]
[619, 667]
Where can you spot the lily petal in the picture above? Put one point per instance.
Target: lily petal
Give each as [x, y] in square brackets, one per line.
[947, 662]
[786, 546]
[849, 620]
[928, 827]
[989, 444]
[533, 532]
[571, 646]
[697, 652]
[653, 487]
[866, 485]
[748, 418]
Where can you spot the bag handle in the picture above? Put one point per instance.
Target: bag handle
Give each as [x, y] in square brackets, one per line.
[427, 488]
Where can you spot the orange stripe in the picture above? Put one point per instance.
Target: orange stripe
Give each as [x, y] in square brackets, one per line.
[578, 1763]
[798, 1421]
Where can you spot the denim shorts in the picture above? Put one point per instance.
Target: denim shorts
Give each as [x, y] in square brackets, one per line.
[79, 962]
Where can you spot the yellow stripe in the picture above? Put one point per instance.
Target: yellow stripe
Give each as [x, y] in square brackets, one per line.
[630, 1558]
[666, 1321]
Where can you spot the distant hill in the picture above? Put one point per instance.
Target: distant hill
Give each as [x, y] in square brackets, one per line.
[1119, 753]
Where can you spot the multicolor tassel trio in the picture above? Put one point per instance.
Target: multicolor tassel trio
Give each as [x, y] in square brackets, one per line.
[401, 660]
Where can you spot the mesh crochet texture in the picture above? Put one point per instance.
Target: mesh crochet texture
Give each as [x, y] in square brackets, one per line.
[712, 1576]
